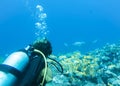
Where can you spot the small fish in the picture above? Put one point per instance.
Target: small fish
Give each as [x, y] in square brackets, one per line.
[65, 44]
[95, 41]
[78, 43]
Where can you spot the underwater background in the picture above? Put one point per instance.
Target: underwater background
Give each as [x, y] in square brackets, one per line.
[84, 35]
[90, 23]
[70, 25]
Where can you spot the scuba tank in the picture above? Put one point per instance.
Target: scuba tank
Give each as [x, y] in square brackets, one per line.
[11, 69]
[24, 67]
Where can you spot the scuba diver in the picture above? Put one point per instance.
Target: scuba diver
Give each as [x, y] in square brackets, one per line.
[26, 67]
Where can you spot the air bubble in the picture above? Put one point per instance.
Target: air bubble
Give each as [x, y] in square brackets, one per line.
[40, 24]
[39, 7]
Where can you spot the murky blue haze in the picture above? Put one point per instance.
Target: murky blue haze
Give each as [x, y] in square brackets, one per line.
[72, 24]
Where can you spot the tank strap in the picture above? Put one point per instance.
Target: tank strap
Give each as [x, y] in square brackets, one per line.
[10, 69]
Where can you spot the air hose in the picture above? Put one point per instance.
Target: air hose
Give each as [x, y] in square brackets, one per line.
[57, 63]
[44, 76]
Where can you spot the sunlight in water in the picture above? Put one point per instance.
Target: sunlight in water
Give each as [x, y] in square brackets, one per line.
[40, 24]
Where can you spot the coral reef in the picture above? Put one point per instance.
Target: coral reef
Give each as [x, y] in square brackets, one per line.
[100, 67]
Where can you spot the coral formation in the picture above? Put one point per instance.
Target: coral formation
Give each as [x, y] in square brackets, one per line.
[100, 67]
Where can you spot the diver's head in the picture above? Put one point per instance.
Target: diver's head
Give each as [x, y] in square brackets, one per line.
[43, 45]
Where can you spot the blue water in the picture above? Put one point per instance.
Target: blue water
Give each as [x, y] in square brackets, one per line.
[72, 24]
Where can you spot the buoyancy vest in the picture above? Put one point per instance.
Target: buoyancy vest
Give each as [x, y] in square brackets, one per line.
[30, 75]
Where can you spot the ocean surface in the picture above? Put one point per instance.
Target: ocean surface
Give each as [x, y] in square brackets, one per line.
[69, 25]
